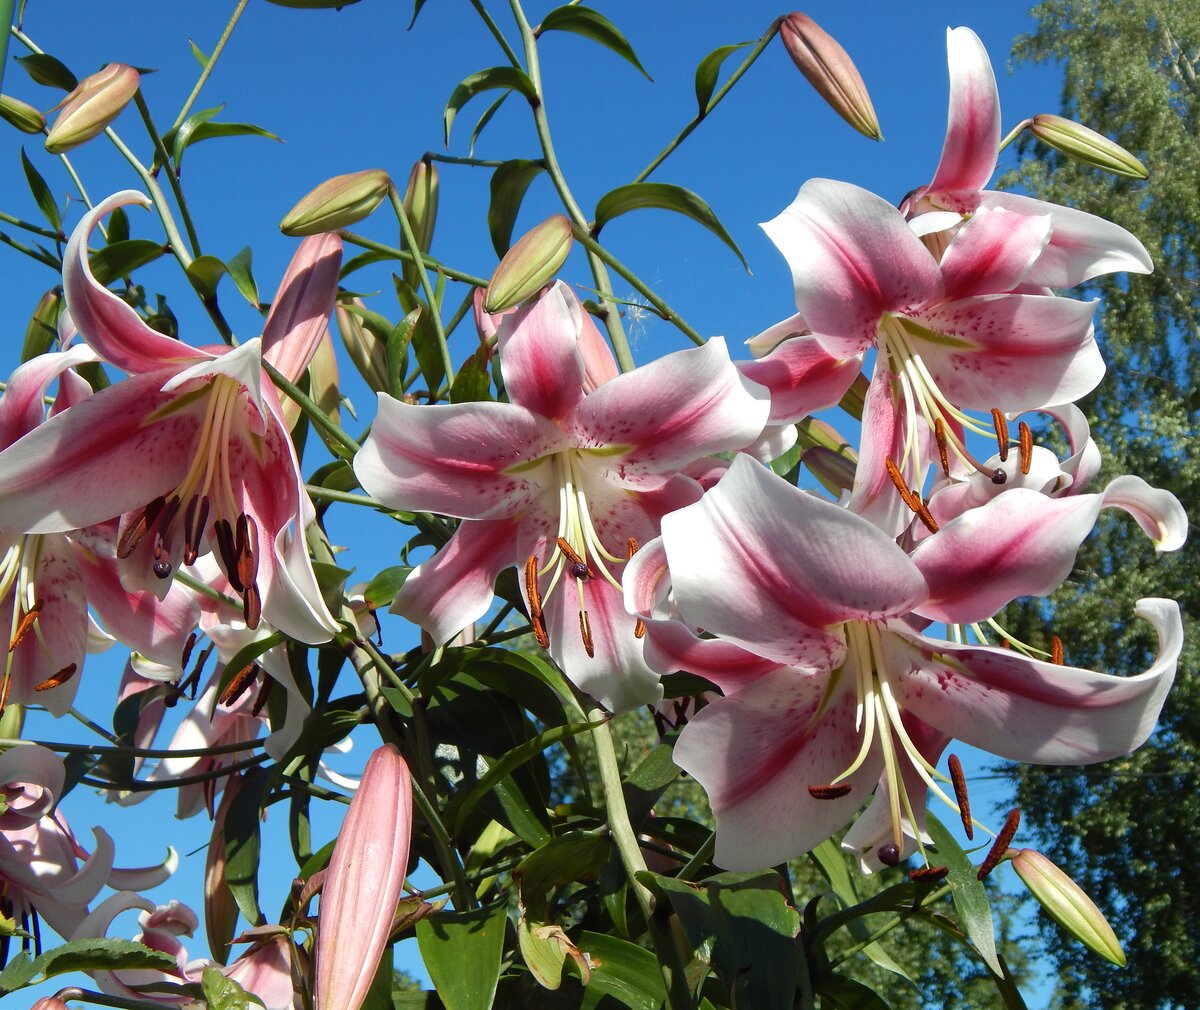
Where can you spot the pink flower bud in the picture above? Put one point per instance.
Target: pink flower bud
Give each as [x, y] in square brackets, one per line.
[831, 71]
[96, 101]
[50, 1003]
[364, 883]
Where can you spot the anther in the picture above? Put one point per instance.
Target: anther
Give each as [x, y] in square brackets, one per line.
[1056, 650]
[237, 686]
[569, 551]
[1000, 846]
[251, 606]
[1025, 437]
[829, 792]
[631, 548]
[639, 628]
[1000, 423]
[928, 874]
[245, 545]
[893, 471]
[27, 620]
[585, 632]
[229, 559]
[264, 693]
[53, 681]
[138, 526]
[923, 513]
[535, 602]
[194, 519]
[188, 646]
[939, 434]
[959, 781]
[889, 854]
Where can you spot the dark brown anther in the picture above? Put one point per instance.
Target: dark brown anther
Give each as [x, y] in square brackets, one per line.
[1025, 436]
[188, 646]
[889, 855]
[928, 874]
[238, 685]
[194, 519]
[580, 570]
[1056, 650]
[959, 781]
[533, 594]
[245, 547]
[226, 548]
[251, 606]
[1000, 423]
[829, 792]
[54, 680]
[939, 434]
[631, 548]
[1000, 846]
[27, 620]
[264, 693]
[193, 678]
[137, 527]
[585, 632]
[639, 628]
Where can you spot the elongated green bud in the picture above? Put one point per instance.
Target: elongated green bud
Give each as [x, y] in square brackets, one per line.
[1084, 144]
[529, 265]
[96, 101]
[23, 116]
[829, 69]
[366, 350]
[1068, 905]
[421, 202]
[337, 203]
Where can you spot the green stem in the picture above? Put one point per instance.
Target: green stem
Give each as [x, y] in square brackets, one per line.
[452, 159]
[315, 414]
[888, 926]
[496, 33]
[161, 155]
[612, 315]
[464, 307]
[149, 752]
[144, 786]
[196, 586]
[83, 193]
[37, 254]
[311, 789]
[702, 855]
[174, 239]
[403, 254]
[208, 67]
[6, 19]
[74, 992]
[36, 229]
[435, 309]
[347, 497]
[713, 102]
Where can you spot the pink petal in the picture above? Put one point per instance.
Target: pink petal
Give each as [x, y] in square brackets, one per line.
[1158, 512]
[299, 316]
[469, 460]
[992, 252]
[454, 587]
[1027, 710]
[973, 124]
[22, 407]
[670, 646]
[852, 258]
[539, 354]
[266, 971]
[110, 326]
[599, 365]
[802, 377]
[757, 752]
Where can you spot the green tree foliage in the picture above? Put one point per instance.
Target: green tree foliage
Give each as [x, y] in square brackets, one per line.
[1127, 831]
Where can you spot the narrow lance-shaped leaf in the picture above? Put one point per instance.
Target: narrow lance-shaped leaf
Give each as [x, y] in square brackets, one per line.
[970, 896]
[41, 193]
[49, 71]
[486, 118]
[708, 71]
[509, 184]
[595, 26]
[462, 951]
[485, 80]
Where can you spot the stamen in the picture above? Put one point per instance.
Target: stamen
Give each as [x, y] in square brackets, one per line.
[264, 693]
[237, 686]
[923, 513]
[194, 520]
[138, 527]
[53, 681]
[928, 874]
[829, 792]
[251, 606]
[889, 854]
[585, 632]
[188, 646]
[1000, 423]
[569, 551]
[893, 471]
[27, 620]
[229, 558]
[959, 781]
[639, 628]
[245, 545]
[939, 433]
[1000, 846]
[631, 548]
[1025, 436]
[535, 602]
[1056, 650]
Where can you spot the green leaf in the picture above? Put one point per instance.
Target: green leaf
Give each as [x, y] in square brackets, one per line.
[221, 992]
[484, 80]
[970, 896]
[118, 226]
[245, 656]
[623, 971]
[509, 184]
[417, 5]
[243, 842]
[472, 383]
[239, 269]
[708, 71]
[199, 126]
[543, 956]
[379, 996]
[462, 952]
[120, 259]
[483, 120]
[41, 193]
[17, 972]
[592, 25]
[664, 196]
[199, 53]
[205, 273]
[645, 784]
[568, 857]
[45, 69]
[846, 994]
[102, 955]
[382, 589]
[397, 338]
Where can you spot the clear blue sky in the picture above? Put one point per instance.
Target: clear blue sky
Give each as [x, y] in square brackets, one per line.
[353, 89]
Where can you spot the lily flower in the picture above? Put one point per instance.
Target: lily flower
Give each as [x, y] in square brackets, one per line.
[564, 481]
[191, 451]
[829, 687]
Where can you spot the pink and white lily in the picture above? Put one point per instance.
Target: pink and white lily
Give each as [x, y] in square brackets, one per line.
[830, 689]
[564, 481]
[191, 451]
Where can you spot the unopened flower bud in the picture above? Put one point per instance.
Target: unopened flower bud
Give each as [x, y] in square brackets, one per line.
[421, 202]
[529, 265]
[337, 203]
[50, 1003]
[832, 469]
[96, 101]
[1084, 144]
[830, 71]
[366, 350]
[1068, 905]
[20, 114]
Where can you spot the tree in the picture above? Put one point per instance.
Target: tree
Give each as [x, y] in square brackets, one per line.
[1126, 831]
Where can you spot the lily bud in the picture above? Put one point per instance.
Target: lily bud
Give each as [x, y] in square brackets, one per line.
[529, 265]
[830, 71]
[50, 1003]
[834, 470]
[1068, 905]
[366, 350]
[364, 883]
[421, 202]
[96, 101]
[1084, 144]
[23, 116]
[337, 203]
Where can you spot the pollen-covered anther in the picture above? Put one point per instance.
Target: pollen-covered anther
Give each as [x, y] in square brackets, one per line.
[138, 526]
[246, 550]
[534, 595]
[195, 517]
[928, 874]
[585, 632]
[939, 434]
[639, 628]
[238, 685]
[923, 513]
[631, 548]
[26, 622]
[1025, 437]
[188, 646]
[57, 679]
[826, 792]
[1000, 423]
[1056, 650]
[251, 606]
[264, 692]
[999, 847]
[893, 471]
[959, 781]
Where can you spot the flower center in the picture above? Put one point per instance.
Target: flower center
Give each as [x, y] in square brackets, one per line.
[18, 570]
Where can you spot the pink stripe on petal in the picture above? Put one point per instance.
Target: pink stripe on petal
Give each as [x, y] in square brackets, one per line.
[973, 123]
[540, 355]
[21, 407]
[802, 377]
[299, 316]
[992, 252]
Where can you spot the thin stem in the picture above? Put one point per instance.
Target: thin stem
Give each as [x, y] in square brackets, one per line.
[703, 854]
[343, 496]
[208, 67]
[36, 229]
[453, 159]
[196, 586]
[312, 789]
[495, 622]
[145, 786]
[147, 752]
[162, 156]
[496, 33]
[403, 254]
[174, 239]
[435, 310]
[74, 992]
[464, 307]
[315, 414]
[713, 102]
[83, 193]
[95, 727]
[383, 666]
[37, 254]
